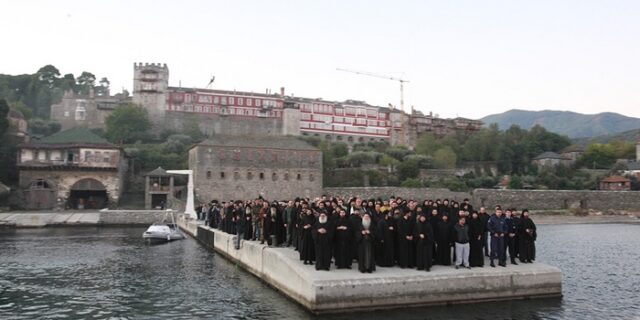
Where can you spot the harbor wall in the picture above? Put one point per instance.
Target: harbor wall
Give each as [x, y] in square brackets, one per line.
[531, 199]
[71, 218]
[347, 290]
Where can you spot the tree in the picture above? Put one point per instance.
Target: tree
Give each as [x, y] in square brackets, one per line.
[408, 169]
[40, 127]
[86, 81]
[411, 183]
[4, 122]
[339, 149]
[445, 158]
[427, 144]
[26, 111]
[103, 88]
[515, 183]
[128, 123]
[48, 75]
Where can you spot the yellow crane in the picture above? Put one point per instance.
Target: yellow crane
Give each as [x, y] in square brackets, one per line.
[402, 82]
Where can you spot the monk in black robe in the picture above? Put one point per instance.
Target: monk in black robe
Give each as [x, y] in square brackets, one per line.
[365, 238]
[343, 240]
[248, 233]
[527, 236]
[387, 237]
[443, 240]
[476, 229]
[424, 243]
[355, 219]
[433, 221]
[322, 236]
[405, 241]
[307, 248]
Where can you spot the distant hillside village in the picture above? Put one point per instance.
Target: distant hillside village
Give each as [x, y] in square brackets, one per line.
[74, 145]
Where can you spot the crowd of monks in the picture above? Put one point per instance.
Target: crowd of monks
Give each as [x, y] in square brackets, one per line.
[377, 232]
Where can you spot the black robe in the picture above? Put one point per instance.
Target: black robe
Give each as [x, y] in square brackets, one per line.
[386, 237]
[405, 246]
[424, 246]
[527, 236]
[355, 220]
[248, 227]
[443, 242]
[307, 248]
[366, 258]
[342, 244]
[322, 242]
[476, 229]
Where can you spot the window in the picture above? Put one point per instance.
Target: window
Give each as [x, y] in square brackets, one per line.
[66, 114]
[39, 184]
[257, 102]
[216, 100]
[240, 101]
[299, 177]
[311, 177]
[208, 174]
[81, 113]
[249, 102]
[249, 175]
[261, 175]
[236, 175]
[204, 99]
[286, 176]
[231, 100]
[222, 175]
[274, 176]
[223, 100]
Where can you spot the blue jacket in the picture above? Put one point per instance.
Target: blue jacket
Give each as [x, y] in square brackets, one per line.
[511, 225]
[496, 225]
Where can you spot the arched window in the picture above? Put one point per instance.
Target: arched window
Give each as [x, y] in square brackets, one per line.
[208, 174]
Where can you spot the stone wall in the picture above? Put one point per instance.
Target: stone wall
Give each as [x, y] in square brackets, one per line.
[407, 193]
[558, 199]
[61, 181]
[531, 199]
[232, 173]
[214, 124]
[130, 217]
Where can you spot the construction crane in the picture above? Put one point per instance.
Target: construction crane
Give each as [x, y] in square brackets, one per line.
[402, 82]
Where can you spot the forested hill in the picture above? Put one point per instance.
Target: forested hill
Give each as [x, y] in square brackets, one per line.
[572, 124]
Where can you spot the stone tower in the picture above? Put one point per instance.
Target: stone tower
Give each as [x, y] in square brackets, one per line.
[150, 83]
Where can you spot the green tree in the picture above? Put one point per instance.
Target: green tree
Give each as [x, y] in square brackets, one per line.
[411, 183]
[445, 158]
[48, 75]
[515, 182]
[128, 123]
[408, 169]
[427, 144]
[86, 81]
[40, 127]
[4, 122]
[339, 149]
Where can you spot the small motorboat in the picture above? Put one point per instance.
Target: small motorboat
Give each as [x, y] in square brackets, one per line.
[163, 231]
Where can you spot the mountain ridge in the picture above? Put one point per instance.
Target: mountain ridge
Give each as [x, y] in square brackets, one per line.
[572, 124]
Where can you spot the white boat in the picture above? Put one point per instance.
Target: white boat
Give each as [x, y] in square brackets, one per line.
[164, 230]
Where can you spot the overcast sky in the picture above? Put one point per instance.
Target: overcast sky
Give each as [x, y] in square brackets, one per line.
[462, 58]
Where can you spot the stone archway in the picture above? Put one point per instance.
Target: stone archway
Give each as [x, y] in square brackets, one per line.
[88, 193]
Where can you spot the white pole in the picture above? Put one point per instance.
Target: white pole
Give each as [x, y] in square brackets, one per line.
[190, 207]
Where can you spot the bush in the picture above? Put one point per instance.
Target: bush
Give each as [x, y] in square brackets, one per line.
[411, 183]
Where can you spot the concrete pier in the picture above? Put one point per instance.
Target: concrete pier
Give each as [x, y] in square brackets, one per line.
[347, 290]
[80, 218]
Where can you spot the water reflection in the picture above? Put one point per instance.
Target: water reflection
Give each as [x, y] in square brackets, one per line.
[111, 273]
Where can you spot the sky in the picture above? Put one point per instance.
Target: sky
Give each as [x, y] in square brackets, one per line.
[461, 58]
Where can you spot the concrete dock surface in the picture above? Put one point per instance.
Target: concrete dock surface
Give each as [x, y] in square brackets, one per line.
[345, 290]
